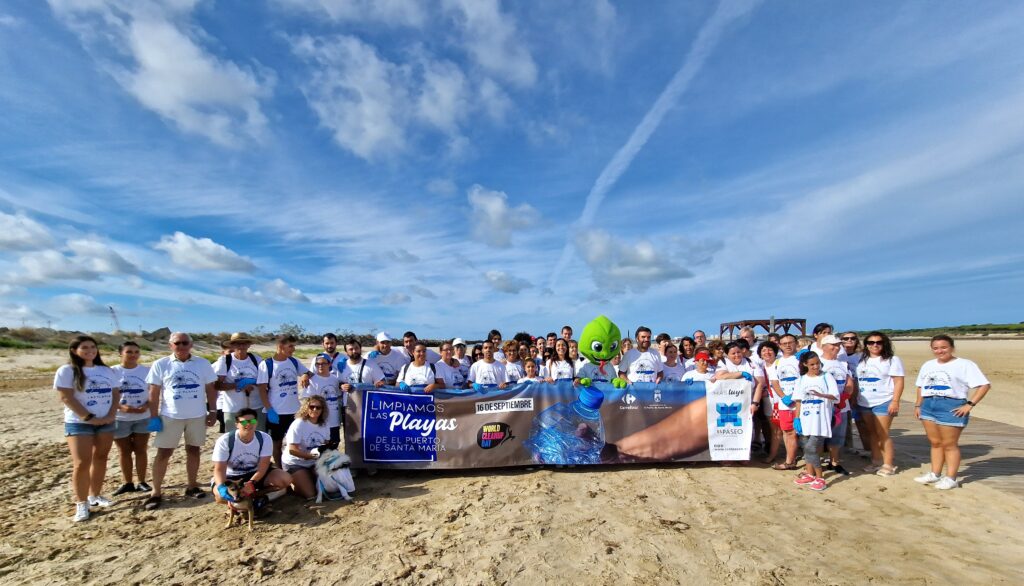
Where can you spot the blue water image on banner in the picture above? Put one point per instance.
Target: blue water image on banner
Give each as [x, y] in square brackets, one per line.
[400, 427]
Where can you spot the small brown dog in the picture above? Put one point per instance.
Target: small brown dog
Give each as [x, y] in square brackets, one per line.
[242, 504]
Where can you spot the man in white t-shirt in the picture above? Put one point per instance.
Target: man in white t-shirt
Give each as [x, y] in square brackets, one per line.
[330, 346]
[641, 364]
[389, 360]
[278, 384]
[358, 370]
[243, 454]
[700, 338]
[181, 399]
[409, 340]
[488, 372]
[820, 331]
[236, 379]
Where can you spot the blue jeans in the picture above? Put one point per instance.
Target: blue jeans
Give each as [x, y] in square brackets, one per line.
[940, 411]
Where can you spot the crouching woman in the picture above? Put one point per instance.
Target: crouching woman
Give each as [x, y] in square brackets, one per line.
[244, 455]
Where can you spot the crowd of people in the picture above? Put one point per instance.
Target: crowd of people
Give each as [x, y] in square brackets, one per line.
[276, 412]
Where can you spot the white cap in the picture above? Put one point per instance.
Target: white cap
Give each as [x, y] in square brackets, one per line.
[383, 337]
[829, 339]
[458, 342]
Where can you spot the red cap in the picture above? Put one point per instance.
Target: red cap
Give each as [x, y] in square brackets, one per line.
[702, 356]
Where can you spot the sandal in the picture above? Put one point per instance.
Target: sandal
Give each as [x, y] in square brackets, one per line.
[886, 471]
[195, 491]
[785, 466]
[152, 503]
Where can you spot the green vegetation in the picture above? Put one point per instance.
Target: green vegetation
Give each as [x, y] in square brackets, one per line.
[972, 329]
[12, 343]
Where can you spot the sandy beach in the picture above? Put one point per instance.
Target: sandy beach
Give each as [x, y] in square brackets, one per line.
[642, 524]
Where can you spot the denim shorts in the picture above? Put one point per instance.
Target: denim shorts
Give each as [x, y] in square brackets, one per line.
[71, 429]
[839, 431]
[940, 410]
[127, 428]
[880, 409]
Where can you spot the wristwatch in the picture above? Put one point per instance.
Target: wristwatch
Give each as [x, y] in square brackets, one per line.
[88, 417]
[971, 403]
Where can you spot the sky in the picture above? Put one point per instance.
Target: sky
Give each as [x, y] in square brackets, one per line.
[455, 166]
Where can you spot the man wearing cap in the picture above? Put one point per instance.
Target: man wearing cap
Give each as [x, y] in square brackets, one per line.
[460, 354]
[840, 371]
[409, 340]
[236, 380]
[390, 362]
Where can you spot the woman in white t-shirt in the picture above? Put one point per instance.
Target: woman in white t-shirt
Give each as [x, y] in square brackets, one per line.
[131, 431]
[944, 404]
[879, 388]
[701, 367]
[449, 368]
[420, 374]
[91, 393]
[327, 385]
[672, 369]
[513, 364]
[243, 454]
[735, 365]
[305, 435]
[560, 366]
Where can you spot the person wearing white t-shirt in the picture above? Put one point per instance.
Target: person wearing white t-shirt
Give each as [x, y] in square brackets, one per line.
[132, 434]
[532, 372]
[768, 352]
[815, 394]
[513, 364]
[90, 394]
[449, 369]
[358, 370]
[820, 331]
[330, 346]
[388, 359]
[671, 369]
[419, 374]
[840, 371]
[735, 366]
[948, 389]
[325, 384]
[880, 380]
[641, 364]
[488, 373]
[459, 345]
[409, 340]
[278, 384]
[561, 365]
[307, 432]
[701, 371]
[246, 459]
[495, 337]
[181, 394]
[782, 377]
[236, 379]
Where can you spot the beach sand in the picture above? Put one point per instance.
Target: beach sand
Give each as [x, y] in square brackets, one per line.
[643, 524]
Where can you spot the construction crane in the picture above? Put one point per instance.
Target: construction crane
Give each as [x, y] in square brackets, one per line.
[113, 315]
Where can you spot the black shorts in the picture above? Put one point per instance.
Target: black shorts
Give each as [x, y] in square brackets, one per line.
[336, 435]
[278, 430]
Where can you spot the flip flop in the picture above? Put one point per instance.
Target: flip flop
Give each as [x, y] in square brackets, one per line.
[886, 471]
[785, 466]
[152, 503]
[196, 492]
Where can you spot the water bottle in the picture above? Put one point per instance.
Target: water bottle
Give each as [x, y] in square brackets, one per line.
[569, 433]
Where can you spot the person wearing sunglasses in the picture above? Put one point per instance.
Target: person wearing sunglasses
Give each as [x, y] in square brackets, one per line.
[326, 384]
[307, 433]
[449, 368]
[181, 400]
[246, 457]
[880, 382]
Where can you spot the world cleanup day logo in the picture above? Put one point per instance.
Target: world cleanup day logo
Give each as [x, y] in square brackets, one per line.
[492, 435]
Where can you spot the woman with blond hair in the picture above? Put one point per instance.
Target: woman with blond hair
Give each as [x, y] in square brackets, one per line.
[305, 435]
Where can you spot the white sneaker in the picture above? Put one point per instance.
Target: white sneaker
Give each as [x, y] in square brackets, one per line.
[946, 483]
[930, 478]
[100, 501]
[81, 512]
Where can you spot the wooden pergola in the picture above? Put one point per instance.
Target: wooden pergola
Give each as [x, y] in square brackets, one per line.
[772, 325]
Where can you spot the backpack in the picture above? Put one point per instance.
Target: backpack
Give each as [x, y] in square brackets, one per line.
[231, 442]
[401, 374]
[270, 366]
[227, 361]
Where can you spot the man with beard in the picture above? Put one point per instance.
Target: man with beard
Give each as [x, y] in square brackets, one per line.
[389, 361]
[488, 372]
[358, 370]
[641, 364]
[409, 340]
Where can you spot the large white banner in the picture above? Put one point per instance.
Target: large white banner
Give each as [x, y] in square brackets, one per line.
[730, 427]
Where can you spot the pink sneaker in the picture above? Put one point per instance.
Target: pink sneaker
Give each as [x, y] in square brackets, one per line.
[817, 484]
[804, 479]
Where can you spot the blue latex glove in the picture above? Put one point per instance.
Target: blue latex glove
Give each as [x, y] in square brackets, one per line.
[373, 354]
[478, 387]
[787, 400]
[272, 416]
[155, 425]
[748, 376]
[403, 386]
[240, 384]
[222, 490]
[797, 426]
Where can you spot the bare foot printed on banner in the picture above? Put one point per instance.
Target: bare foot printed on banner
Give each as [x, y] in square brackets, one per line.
[682, 434]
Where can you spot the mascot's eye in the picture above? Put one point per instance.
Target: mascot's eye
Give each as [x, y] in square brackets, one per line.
[596, 346]
[615, 346]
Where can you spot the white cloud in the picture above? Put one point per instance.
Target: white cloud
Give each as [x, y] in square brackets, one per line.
[169, 72]
[620, 266]
[493, 220]
[102, 257]
[401, 255]
[9, 21]
[90, 261]
[281, 290]
[444, 96]
[506, 283]
[391, 12]
[75, 304]
[490, 39]
[442, 187]
[20, 313]
[395, 299]
[422, 292]
[19, 232]
[203, 253]
[494, 100]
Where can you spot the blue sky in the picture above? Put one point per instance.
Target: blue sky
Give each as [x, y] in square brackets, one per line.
[454, 166]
